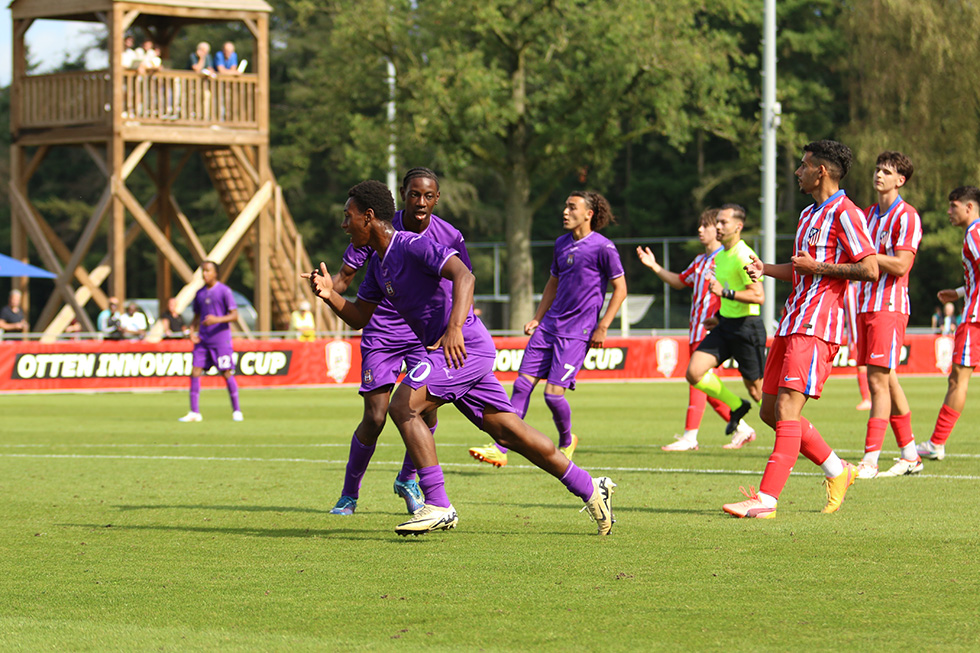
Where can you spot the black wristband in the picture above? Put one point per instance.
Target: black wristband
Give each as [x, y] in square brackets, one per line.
[728, 293]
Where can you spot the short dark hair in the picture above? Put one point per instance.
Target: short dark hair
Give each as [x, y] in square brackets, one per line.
[422, 172]
[836, 157]
[709, 218]
[738, 211]
[602, 214]
[217, 268]
[897, 160]
[372, 194]
[965, 194]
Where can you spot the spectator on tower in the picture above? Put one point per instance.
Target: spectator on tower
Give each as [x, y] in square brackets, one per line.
[226, 59]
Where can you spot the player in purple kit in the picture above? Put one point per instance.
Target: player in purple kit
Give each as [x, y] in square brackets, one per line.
[432, 289]
[567, 321]
[214, 311]
[387, 342]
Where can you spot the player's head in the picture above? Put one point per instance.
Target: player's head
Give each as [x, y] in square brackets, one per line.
[708, 226]
[367, 202]
[964, 206]
[897, 161]
[595, 203]
[13, 299]
[209, 272]
[892, 170]
[420, 194]
[833, 156]
[731, 220]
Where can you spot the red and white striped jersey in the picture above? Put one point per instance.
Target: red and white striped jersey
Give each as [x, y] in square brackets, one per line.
[971, 272]
[698, 275]
[851, 314]
[900, 227]
[834, 232]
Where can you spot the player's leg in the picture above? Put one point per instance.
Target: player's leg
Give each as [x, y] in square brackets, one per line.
[688, 441]
[362, 446]
[909, 462]
[953, 404]
[713, 350]
[566, 361]
[862, 379]
[748, 348]
[200, 361]
[878, 383]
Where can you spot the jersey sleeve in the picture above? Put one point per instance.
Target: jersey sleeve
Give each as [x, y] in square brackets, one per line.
[460, 246]
[855, 239]
[609, 262]
[369, 291]
[356, 257]
[907, 232]
[688, 275]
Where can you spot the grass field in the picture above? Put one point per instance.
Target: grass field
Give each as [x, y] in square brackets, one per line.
[124, 530]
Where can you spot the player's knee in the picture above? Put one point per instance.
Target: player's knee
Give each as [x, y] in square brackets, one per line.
[693, 376]
[768, 415]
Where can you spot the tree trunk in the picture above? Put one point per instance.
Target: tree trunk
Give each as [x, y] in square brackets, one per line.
[520, 280]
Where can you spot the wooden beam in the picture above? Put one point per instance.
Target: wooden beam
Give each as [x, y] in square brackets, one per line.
[244, 162]
[33, 164]
[253, 27]
[127, 20]
[21, 27]
[134, 158]
[184, 224]
[152, 230]
[98, 158]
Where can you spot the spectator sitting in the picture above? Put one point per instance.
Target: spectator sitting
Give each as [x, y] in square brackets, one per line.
[108, 321]
[12, 315]
[226, 59]
[200, 60]
[133, 322]
[149, 58]
[303, 323]
[937, 319]
[173, 322]
[950, 320]
[131, 57]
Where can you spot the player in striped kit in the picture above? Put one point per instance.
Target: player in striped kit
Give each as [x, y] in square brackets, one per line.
[832, 245]
[704, 306]
[883, 314]
[850, 312]
[964, 212]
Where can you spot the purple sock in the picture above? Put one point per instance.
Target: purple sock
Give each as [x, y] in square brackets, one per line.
[561, 412]
[233, 391]
[195, 394]
[521, 395]
[433, 486]
[578, 481]
[357, 463]
[408, 470]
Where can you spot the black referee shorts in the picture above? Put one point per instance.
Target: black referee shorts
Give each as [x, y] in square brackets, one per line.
[741, 338]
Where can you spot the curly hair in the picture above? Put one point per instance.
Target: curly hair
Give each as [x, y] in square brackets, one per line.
[372, 194]
[415, 173]
[897, 160]
[836, 157]
[602, 214]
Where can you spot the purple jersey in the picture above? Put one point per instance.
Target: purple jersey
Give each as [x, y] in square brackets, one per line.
[216, 300]
[409, 277]
[583, 268]
[387, 328]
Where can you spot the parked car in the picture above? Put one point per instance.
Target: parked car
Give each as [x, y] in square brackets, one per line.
[245, 309]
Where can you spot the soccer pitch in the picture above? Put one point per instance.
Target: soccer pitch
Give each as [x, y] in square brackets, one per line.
[124, 530]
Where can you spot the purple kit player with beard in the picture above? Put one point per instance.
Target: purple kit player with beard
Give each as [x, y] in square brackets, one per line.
[387, 342]
[214, 311]
[432, 289]
[567, 321]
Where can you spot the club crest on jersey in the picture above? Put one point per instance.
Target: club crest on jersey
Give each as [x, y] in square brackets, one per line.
[368, 376]
[813, 236]
[389, 290]
[570, 259]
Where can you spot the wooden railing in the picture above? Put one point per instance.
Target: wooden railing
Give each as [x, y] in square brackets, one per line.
[162, 97]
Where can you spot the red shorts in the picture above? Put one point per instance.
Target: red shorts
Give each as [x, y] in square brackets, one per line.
[798, 362]
[966, 346]
[880, 338]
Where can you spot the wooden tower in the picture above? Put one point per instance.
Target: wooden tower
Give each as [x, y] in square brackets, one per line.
[118, 115]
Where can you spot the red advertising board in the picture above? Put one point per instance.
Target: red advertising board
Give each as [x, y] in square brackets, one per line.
[32, 367]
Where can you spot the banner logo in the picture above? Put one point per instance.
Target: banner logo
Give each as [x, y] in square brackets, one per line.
[667, 355]
[139, 364]
[338, 355]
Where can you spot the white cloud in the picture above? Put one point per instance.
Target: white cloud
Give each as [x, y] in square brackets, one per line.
[49, 42]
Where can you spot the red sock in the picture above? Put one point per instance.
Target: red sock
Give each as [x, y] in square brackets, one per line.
[875, 437]
[721, 408]
[695, 408]
[902, 426]
[944, 424]
[863, 386]
[812, 444]
[784, 454]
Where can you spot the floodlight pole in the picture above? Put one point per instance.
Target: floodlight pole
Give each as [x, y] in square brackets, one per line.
[392, 163]
[771, 112]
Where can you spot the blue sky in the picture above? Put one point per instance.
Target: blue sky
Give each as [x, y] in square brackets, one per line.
[48, 41]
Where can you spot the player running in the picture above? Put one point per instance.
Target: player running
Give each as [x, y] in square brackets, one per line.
[698, 276]
[432, 289]
[832, 245]
[883, 314]
[964, 212]
[567, 321]
[388, 343]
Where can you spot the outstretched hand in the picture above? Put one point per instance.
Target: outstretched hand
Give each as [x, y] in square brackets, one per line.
[646, 257]
[754, 268]
[320, 281]
[947, 295]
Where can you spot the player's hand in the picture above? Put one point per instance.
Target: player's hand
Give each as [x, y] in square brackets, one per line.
[710, 323]
[531, 327]
[947, 295]
[647, 258]
[453, 347]
[598, 337]
[803, 263]
[754, 269]
[320, 281]
[715, 288]
[195, 337]
[209, 320]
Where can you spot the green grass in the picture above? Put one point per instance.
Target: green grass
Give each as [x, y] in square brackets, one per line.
[124, 530]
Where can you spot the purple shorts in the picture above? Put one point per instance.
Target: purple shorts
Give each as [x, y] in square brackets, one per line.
[208, 355]
[471, 388]
[554, 358]
[380, 366]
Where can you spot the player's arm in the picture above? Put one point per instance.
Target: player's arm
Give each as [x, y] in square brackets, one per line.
[751, 294]
[950, 294]
[602, 328]
[230, 316]
[756, 269]
[343, 279]
[864, 270]
[464, 283]
[547, 299]
[647, 258]
[898, 265]
[356, 314]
